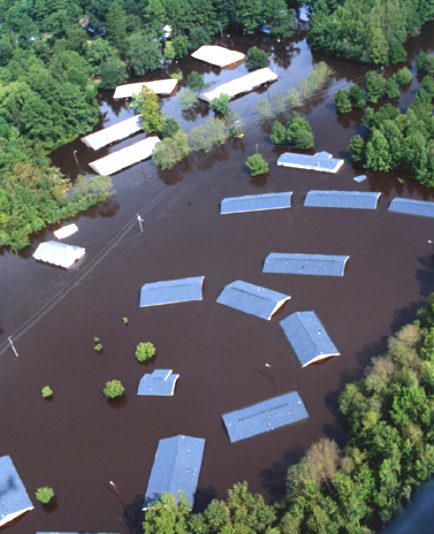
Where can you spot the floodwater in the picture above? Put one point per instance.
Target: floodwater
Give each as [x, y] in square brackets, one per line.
[78, 442]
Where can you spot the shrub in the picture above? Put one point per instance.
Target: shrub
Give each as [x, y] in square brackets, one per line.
[299, 132]
[220, 104]
[264, 110]
[403, 76]
[256, 59]
[46, 392]
[171, 150]
[97, 345]
[44, 494]
[113, 389]
[293, 98]
[342, 101]
[196, 82]
[278, 134]
[177, 75]
[208, 135]
[125, 320]
[170, 127]
[187, 99]
[257, 165]
[145, 351]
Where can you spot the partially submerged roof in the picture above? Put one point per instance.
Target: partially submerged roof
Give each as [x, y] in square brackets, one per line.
[60, 254]
[308, 337]
[243, 84]
[267, 201]
[217, 55]
[321, 161]
[310, 264]
[160, 87]
[342, 199]
[252, 299]
[113, 133]
[160, 382]
[125, 157]
[359, 179]
[74, 532]
[264, 416]
[176, 468]
[172, 291]
[14, 500]
[420, 208]
[66, 231]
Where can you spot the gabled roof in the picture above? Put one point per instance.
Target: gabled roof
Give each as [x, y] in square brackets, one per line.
[308, 264]
[408, 206]
[342, 199]
[267, 201]
[65, 231]
[176, 468]
[321, 161]
[308, 337]
[160, 382]
[264, 416]
[14, 500]
[217, 55]
[60, 254]
[172, 291]
[113, 133]
[252, 299]
[160, 87]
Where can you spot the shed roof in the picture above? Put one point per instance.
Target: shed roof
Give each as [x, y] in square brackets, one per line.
[252, 299]
[217, 55]
[243, 84]
[421, 208]
[267, 201]
[60, 254]
[113, 133]
[264, 416]
[321, 161]
[310, 264]
[176, 468]
[342, 199]
[65, 231]
[125, 157]
[308, 337]
[161, 87]
[14, 500]
[161, 382]
[172, 291]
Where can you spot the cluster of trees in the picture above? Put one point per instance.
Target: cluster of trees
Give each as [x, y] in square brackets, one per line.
[371, 32]
[389, 454]
[376, 87]
[298, 132]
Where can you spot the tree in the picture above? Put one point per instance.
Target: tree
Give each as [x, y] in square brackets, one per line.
[113, 389]
[249, 15]
[256, 59]
[170, 127]
[375, 86]
[187, 99]
[196, 82]
[208, 135]
[299, 132]
[425, 63]
[357, 148]
[44, 494]
[391, 89]
[377, 152]
[342, 101]
[46, 392]
[220, 104]
[171, 150]
[180, 46]
[278, 18]
[404, 76]
[145, 351]
[357, 96]
[278, 133]
[113, 72]
[116, 27]
[198, 37]
[169, 515]
[143, 53]
[146, 102]
[257, 165]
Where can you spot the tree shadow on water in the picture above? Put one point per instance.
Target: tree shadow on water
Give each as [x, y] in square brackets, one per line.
[203, 497]
[274, 477]
[133, 515]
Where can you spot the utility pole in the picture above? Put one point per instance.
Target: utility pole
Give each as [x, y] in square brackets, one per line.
[115, 490]
[75, 157]
[13, 347]
[140, 222]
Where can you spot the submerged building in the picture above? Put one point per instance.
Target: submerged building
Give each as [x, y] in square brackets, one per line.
[59, 254]
[321, 162]
[218, 56]
[161, 382]
[172, 291]
[14, 500]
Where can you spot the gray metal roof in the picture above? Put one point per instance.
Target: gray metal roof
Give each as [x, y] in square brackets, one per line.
[311, 264]
[321, 161]
[308, 337]
[421, 208]
[160, 382]
[176, 468]
[249, 298]
[14, 499]
[267, 201]
[359, 179]
[171, 291]
[342, 199]
[264, 416]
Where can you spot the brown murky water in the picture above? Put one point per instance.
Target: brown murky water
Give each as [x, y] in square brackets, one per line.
[78, 441]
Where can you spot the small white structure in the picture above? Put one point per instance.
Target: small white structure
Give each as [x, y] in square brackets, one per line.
[161, 87]
[59, 254]
[243, 84]
[113, 133]
[125, 157]
[218, 56]
[14, 500]
[66, 231]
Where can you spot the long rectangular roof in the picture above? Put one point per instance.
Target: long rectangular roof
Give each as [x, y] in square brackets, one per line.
[14, 500]
[421, 208]
[308, 337]
[172, 291]
[113, 133]
[59, 254]
[217, 55]
[342, 199]
[160, 87]
[125, 157]
[252, 299]
[310, 264]
[161, 382]
[264, 416]
[264, 202]
[176, 468]
[243, 84]
[321, 161]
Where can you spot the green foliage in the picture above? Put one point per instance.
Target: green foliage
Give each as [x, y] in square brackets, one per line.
[187, 99]
[357, 148]
[315, 80]
[180, 46]
[425, 64]
[125, 320]
[375, 86]
[44, 494]
[177, 75]
[98, 347]
[47, 392]
[278, 18]
[167, 516]
[220, 104]
[113, 389]
[265, 110]
[257, 165]
[391, 89]
[256, 59]
[278, 134]
[145, 350]
[357, 96]
[113, 72]
[146, 102]
[196, 82]
[171, 150]
[299, 132]
[143, 53]
[404, 76]
[170, 127]
[208, 135]
[343, 101]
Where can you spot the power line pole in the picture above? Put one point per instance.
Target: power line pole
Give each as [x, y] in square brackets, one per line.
[140, 222]
[11, 343]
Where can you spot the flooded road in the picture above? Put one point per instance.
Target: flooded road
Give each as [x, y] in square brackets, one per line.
[78, 442]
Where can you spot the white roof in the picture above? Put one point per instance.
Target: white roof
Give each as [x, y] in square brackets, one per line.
[66, 231]
[113, 133]
[243, 84]
[125, 157]
[263, 202]
[217, 55]
[161, 87]
[59, 254]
